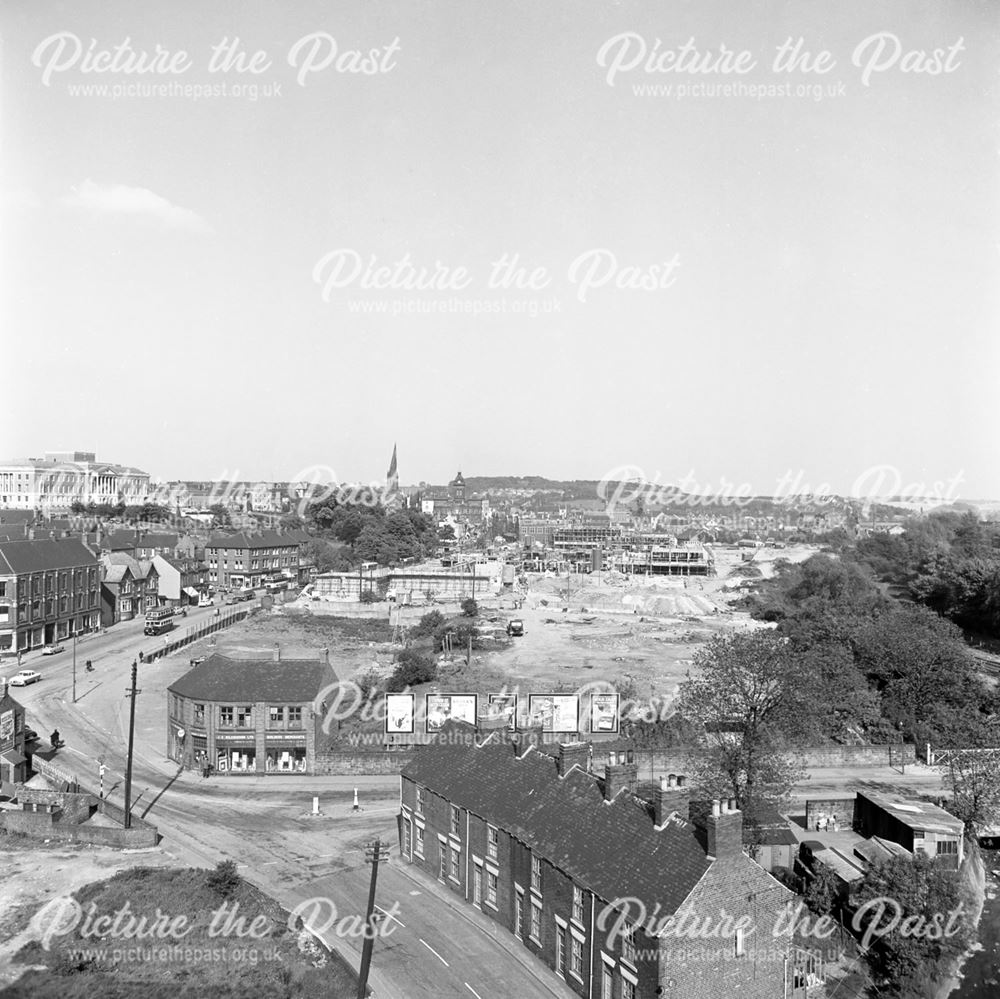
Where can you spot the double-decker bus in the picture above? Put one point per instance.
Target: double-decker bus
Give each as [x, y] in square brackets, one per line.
[159, 620]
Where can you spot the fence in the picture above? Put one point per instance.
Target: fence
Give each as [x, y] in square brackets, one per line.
[944, 757]
[225, 618]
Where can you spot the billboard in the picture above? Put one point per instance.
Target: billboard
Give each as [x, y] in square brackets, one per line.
[440, 708]
[505, 704]
[6, 728]
[554, 712]
[399, 713]
[604, 713]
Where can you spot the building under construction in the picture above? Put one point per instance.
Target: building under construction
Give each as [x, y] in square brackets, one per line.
[664, 560]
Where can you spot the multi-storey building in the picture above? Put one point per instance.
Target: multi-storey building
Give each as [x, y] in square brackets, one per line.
[585, 875]
[63, 478]
[49, 590]
[140, 544]
[129, 587]
[237, 561]
[181, 580]
[249, 716]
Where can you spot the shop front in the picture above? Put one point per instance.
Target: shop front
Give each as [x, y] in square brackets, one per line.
[235, 754]
[286, 753]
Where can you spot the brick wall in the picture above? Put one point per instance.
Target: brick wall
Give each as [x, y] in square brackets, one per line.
[839, 809]
[361, 764]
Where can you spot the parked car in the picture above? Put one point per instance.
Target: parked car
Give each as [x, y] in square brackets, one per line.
[515, 629]
[25, 677]
[52, 650]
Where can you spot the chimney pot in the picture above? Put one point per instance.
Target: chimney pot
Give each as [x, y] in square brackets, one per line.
[716, 808]
[732, 805]
[663, 784]
[672, 780]
[681, 781]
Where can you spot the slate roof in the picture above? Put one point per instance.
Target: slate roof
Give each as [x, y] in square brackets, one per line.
[277, 681]
[773, 829]
[136, 539]
[113, 561]
[612, 849]
[263, 539]
[43, 555]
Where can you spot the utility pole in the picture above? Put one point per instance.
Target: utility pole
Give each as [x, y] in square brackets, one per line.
[373, 854]
[131, 692]
[74, 667]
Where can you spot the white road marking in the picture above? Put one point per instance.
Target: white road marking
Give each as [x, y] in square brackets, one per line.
[434, 952]
[389, 915]
[473, 991]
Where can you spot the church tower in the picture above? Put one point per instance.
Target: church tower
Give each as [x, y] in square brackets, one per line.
[392, 499]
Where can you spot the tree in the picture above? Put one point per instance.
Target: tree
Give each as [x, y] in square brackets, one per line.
[974, 778]
[326, 557]
[822, 890]
[446, 532]
[908, 962]
[428, 624]
[469, 607]
[221, 517]
[748, 694]
[411, 668]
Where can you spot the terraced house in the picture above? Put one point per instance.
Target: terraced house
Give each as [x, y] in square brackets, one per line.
[49, 590]
[585, 873]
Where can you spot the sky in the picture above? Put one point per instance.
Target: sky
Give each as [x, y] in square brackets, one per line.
[721, 270]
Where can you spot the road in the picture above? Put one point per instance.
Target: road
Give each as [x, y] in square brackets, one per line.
[265, 823]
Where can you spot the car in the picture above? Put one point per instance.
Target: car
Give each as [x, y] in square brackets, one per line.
[25, 677]
[52, 650]
[30, 735]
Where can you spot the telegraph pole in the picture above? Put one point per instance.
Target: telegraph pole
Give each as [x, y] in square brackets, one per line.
[131, 692]
[373, 854]
[74, 665]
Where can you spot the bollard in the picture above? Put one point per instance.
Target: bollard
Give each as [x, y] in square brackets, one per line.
[357, 807]
[315, 806]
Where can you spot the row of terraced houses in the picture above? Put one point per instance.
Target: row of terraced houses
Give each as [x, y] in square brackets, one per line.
[552, 852]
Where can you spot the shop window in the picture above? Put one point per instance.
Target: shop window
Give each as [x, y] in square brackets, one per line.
[286, 761]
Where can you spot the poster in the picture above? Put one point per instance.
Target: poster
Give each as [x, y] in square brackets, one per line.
[505, 704]
[604, 713]
[441, 708]
[6, 728]
[399, 713]
[554, 712]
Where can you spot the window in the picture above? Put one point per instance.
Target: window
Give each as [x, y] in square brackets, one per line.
[199, 714]
[275, 715]
[3, 587]
[739, 943]
[477, 886]
[519, 913]
[576, 956]
[443, 860]
[628, 945]
[947, 846]
[578, 904]
[491, 888]
[535, 932]
[420, 801]
[243, 719]
[607, 983]
[418, 847]
[295, 717]
[628, 989]
[226, 715]
[456, 863]
[560, 950]
[536, 873]
[456, 820]
[492, 842]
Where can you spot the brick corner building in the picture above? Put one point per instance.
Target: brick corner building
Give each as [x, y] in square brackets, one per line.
[249, 716]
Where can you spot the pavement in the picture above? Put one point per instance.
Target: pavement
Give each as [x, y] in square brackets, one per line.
[438, 949]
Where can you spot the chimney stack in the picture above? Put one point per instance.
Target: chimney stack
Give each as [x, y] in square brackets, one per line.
[673, 795]
[573, 754]
[725, 830]
[620, 774]
[526, 739]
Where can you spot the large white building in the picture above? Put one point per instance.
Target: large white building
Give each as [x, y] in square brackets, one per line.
[61, 478]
